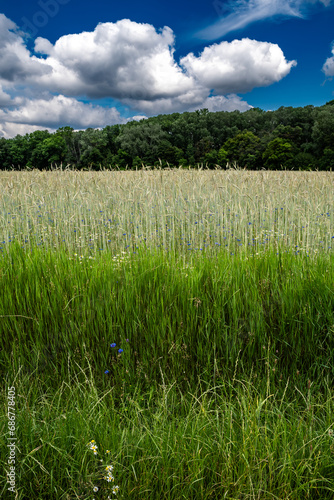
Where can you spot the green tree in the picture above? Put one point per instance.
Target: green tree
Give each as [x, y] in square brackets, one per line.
[327, 159]
[203, 147]
[5, 160]
[72, 149]
[294, 135]
[255, 121]
[278, 154]
[222, 159]
[143, 139]
[323, 129]
[244, 149]
[20, 148]
[111, 132]
[211, 159]
[123, 160]
[304, 161]
[93, 145]
[49, 152]
[18, 151]
[169, 154]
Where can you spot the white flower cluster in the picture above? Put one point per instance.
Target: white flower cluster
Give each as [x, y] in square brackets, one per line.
[108, 477]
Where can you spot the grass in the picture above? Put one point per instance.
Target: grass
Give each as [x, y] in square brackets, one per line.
[183, 320]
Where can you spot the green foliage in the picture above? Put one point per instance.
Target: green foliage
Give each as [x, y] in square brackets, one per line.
[123, 159]
[278, 155]
[244, 149]
[304, 161]
[72, 148]
[222, 158]
[48, 152]
[93, 145]
[323, 130]
[143, 140]
[4, 154]
[327, 159]
[211, 159]
[188, 139]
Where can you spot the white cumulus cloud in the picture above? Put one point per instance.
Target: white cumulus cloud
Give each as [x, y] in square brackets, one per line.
[122, 60]
[132, 63]
[238, 66]
[16, 62]
[231, 102]
[61, 109]
[328, 67]
[11, 129]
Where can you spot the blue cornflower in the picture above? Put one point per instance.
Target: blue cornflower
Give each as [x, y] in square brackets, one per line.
[112, 345]
[106, 372]
[120, 350]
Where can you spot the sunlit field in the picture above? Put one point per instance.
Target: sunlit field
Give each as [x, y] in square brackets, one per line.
[176, 325]
[180, 211]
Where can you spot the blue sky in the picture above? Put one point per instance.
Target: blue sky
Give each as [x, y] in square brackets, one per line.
[93, 63]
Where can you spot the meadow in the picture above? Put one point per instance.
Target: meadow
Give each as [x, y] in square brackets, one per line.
[167, 334]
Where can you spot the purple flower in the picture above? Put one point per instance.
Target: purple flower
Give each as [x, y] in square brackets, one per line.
[112, 345]
[128, 339]
[120, 350]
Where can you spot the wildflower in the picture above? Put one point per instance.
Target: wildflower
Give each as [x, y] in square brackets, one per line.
[95, 489]
[120, 350]
[106, 372]
[115, 489]
[112, 345]
[93, 446]
[109, 478]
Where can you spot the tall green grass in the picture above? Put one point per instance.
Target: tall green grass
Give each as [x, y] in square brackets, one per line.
[225, 441]
[224, 386]
[184, 320]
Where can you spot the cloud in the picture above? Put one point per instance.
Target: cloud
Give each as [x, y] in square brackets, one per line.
[191, 103]
[131, 63]
[225, 68]
[328, 67]
[231, 102]
[16, 62]
[9, 129]
[60, 109]
[245, 12]
[135, 64]
[238, 66]
[123, 60]
[5, 99]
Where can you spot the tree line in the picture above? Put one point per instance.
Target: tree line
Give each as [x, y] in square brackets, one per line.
[287, 138]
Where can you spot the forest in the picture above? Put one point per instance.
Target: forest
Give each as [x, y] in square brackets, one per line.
[285, 139]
